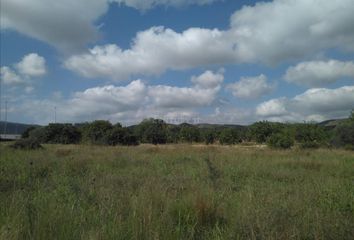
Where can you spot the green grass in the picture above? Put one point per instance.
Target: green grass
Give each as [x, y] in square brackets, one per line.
[175, 192]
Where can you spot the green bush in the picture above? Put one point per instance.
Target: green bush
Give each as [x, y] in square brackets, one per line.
[189, 133]
[310, 135]
[27, 144]
[152, 131]
[344, 135]
[96, 131]
[120, 136]
[208, 136]
[261, 131]
[282, 140]
[310, 144]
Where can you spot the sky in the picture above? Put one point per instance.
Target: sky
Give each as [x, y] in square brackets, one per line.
[198, 61]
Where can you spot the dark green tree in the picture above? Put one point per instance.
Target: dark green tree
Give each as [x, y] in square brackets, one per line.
[310, 135]
[261, 131]
[152, 131]
[229, 136]
[281, 140]
[208, 136]
[96, 131]
[189, 133]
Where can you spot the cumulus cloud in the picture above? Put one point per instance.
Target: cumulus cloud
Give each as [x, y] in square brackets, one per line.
[65, 24]
[130, 103]
[274, 31]
[272, 108]
[10, 77]
[153, 52]
[291, 30]
[203, 93]
[105, 101]
[251, 87]
[148, 4]
[208, 79]
[319, 73]
[315, 104]
[31, 66]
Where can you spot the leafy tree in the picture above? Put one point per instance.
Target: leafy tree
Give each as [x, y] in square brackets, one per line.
[310, 135]
[152, 131]
[120, 136]
[209, 136]
[281, 140]
[173, 133]
[344, 134]
[229, 136]
[189, 133]
[96, 131]
[38, 134]
[26, 133]
[56, 134]
[261, 131]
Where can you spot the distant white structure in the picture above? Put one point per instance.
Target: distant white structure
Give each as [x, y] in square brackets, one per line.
[10, 136]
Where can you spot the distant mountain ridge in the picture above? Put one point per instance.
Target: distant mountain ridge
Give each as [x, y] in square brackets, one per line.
[14, 128]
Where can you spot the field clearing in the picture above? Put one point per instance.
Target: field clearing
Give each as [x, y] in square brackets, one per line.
[176, 192]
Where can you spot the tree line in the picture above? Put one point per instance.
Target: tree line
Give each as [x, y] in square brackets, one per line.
[156, 131]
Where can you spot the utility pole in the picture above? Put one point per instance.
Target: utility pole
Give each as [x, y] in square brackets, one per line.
[55, 114]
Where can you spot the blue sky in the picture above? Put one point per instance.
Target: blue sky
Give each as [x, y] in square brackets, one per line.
[216, 61]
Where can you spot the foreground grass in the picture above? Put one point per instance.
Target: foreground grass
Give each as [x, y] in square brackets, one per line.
[175, 192]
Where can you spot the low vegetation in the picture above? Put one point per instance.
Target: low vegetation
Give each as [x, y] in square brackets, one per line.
[156, 131]
[175, 192]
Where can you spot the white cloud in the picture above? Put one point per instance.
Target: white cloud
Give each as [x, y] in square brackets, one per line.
[153, 52]
[127, 104]
[202, 94]
[251, 87]
[148, 4]
[314, 104]
[175, 97]
[9, 77]
[319, 73]
[269, 32]
[105, 101]
[32, 65]
[272, 32]
[272, 108]
[65, 24]
[208, 79]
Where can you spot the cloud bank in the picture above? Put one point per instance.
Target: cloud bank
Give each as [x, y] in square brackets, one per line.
[292, 30]
[319, 73]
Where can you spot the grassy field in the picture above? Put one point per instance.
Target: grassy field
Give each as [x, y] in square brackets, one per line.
[176, 192]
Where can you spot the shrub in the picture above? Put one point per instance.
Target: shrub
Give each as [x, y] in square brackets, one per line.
[209, 136]
[261, 131]
[27, 144]
[310, 144]
[26, 133]
[344, 135]
[229, 136]
[120, 136]
[96, 131]
[282, 140]
[310, 135]
[189, 133]
[152, 131]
